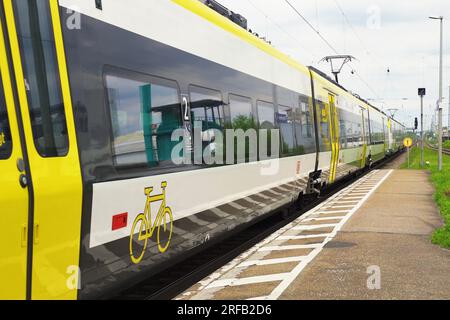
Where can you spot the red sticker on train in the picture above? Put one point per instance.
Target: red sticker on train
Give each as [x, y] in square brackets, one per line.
[120, 221]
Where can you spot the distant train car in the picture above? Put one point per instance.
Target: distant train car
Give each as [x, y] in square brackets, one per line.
[91, 93]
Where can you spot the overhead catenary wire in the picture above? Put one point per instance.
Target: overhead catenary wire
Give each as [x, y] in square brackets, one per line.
[348, 22]
[311, 26]
[314, 55]
[327, 43]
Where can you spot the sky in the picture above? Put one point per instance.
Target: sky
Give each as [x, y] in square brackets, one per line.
[381, 34]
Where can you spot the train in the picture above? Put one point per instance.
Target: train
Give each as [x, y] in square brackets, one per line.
[92, 91]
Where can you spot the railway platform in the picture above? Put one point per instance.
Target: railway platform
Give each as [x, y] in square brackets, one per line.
[369, 241]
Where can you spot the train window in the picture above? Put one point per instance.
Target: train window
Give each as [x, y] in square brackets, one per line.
[377, 130]
[345, 130]
[5, 133]
[266, 115]
[241, 112]
[42, 79]
[206, 107]
[306, 119]
[144, 113]
[241, 117]
[350, 129]
[324, 132]
[285, 119]
[367, 127]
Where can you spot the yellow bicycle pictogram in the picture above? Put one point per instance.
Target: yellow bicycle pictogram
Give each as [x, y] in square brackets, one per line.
[163, 225]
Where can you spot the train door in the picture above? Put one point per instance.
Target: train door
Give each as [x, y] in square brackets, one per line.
[13, 191]
[365, 136]
[390, 137]
[385, 135]
[334, 136]
[41, 82]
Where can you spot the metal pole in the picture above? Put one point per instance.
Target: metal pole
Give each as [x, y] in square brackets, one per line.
[440, 138]
[421, 132]
[440, 96]
[408, 156]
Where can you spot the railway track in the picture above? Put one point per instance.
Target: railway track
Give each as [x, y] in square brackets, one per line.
[434, 148]
[183, 275]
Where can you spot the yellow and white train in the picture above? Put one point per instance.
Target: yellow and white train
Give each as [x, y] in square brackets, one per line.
[90, 94]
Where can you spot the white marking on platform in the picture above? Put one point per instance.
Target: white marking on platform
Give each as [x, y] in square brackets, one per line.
[270, 261]
[347, 201]
[292, 247]
[356, 198]
[249, 280]
[323, 219]
[314, 227]
[334, 211]
[343, 206]
[300, 237]
[258, 298]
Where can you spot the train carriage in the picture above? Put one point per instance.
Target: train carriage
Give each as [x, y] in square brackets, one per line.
[93, 196]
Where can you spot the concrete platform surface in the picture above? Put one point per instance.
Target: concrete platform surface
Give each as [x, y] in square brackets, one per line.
[384, 251]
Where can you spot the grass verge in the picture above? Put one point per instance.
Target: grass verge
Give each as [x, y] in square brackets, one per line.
[441, 181]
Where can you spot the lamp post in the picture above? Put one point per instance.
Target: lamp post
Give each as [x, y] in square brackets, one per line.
[439, 103]
[422, 93]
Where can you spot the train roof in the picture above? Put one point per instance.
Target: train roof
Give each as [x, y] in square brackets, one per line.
[328, 78]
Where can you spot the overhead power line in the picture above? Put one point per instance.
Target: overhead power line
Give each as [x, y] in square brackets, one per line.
[282, 29]
[325, 41]
[347, 20]
[312, 27]
[366, 84]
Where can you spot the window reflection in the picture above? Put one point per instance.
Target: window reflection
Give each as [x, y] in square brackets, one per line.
[42, 80]
[266, 115]
[241, 113]
[207, 110]
[143, 116]
[5, 133]
[285, 119]
[207, 107]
